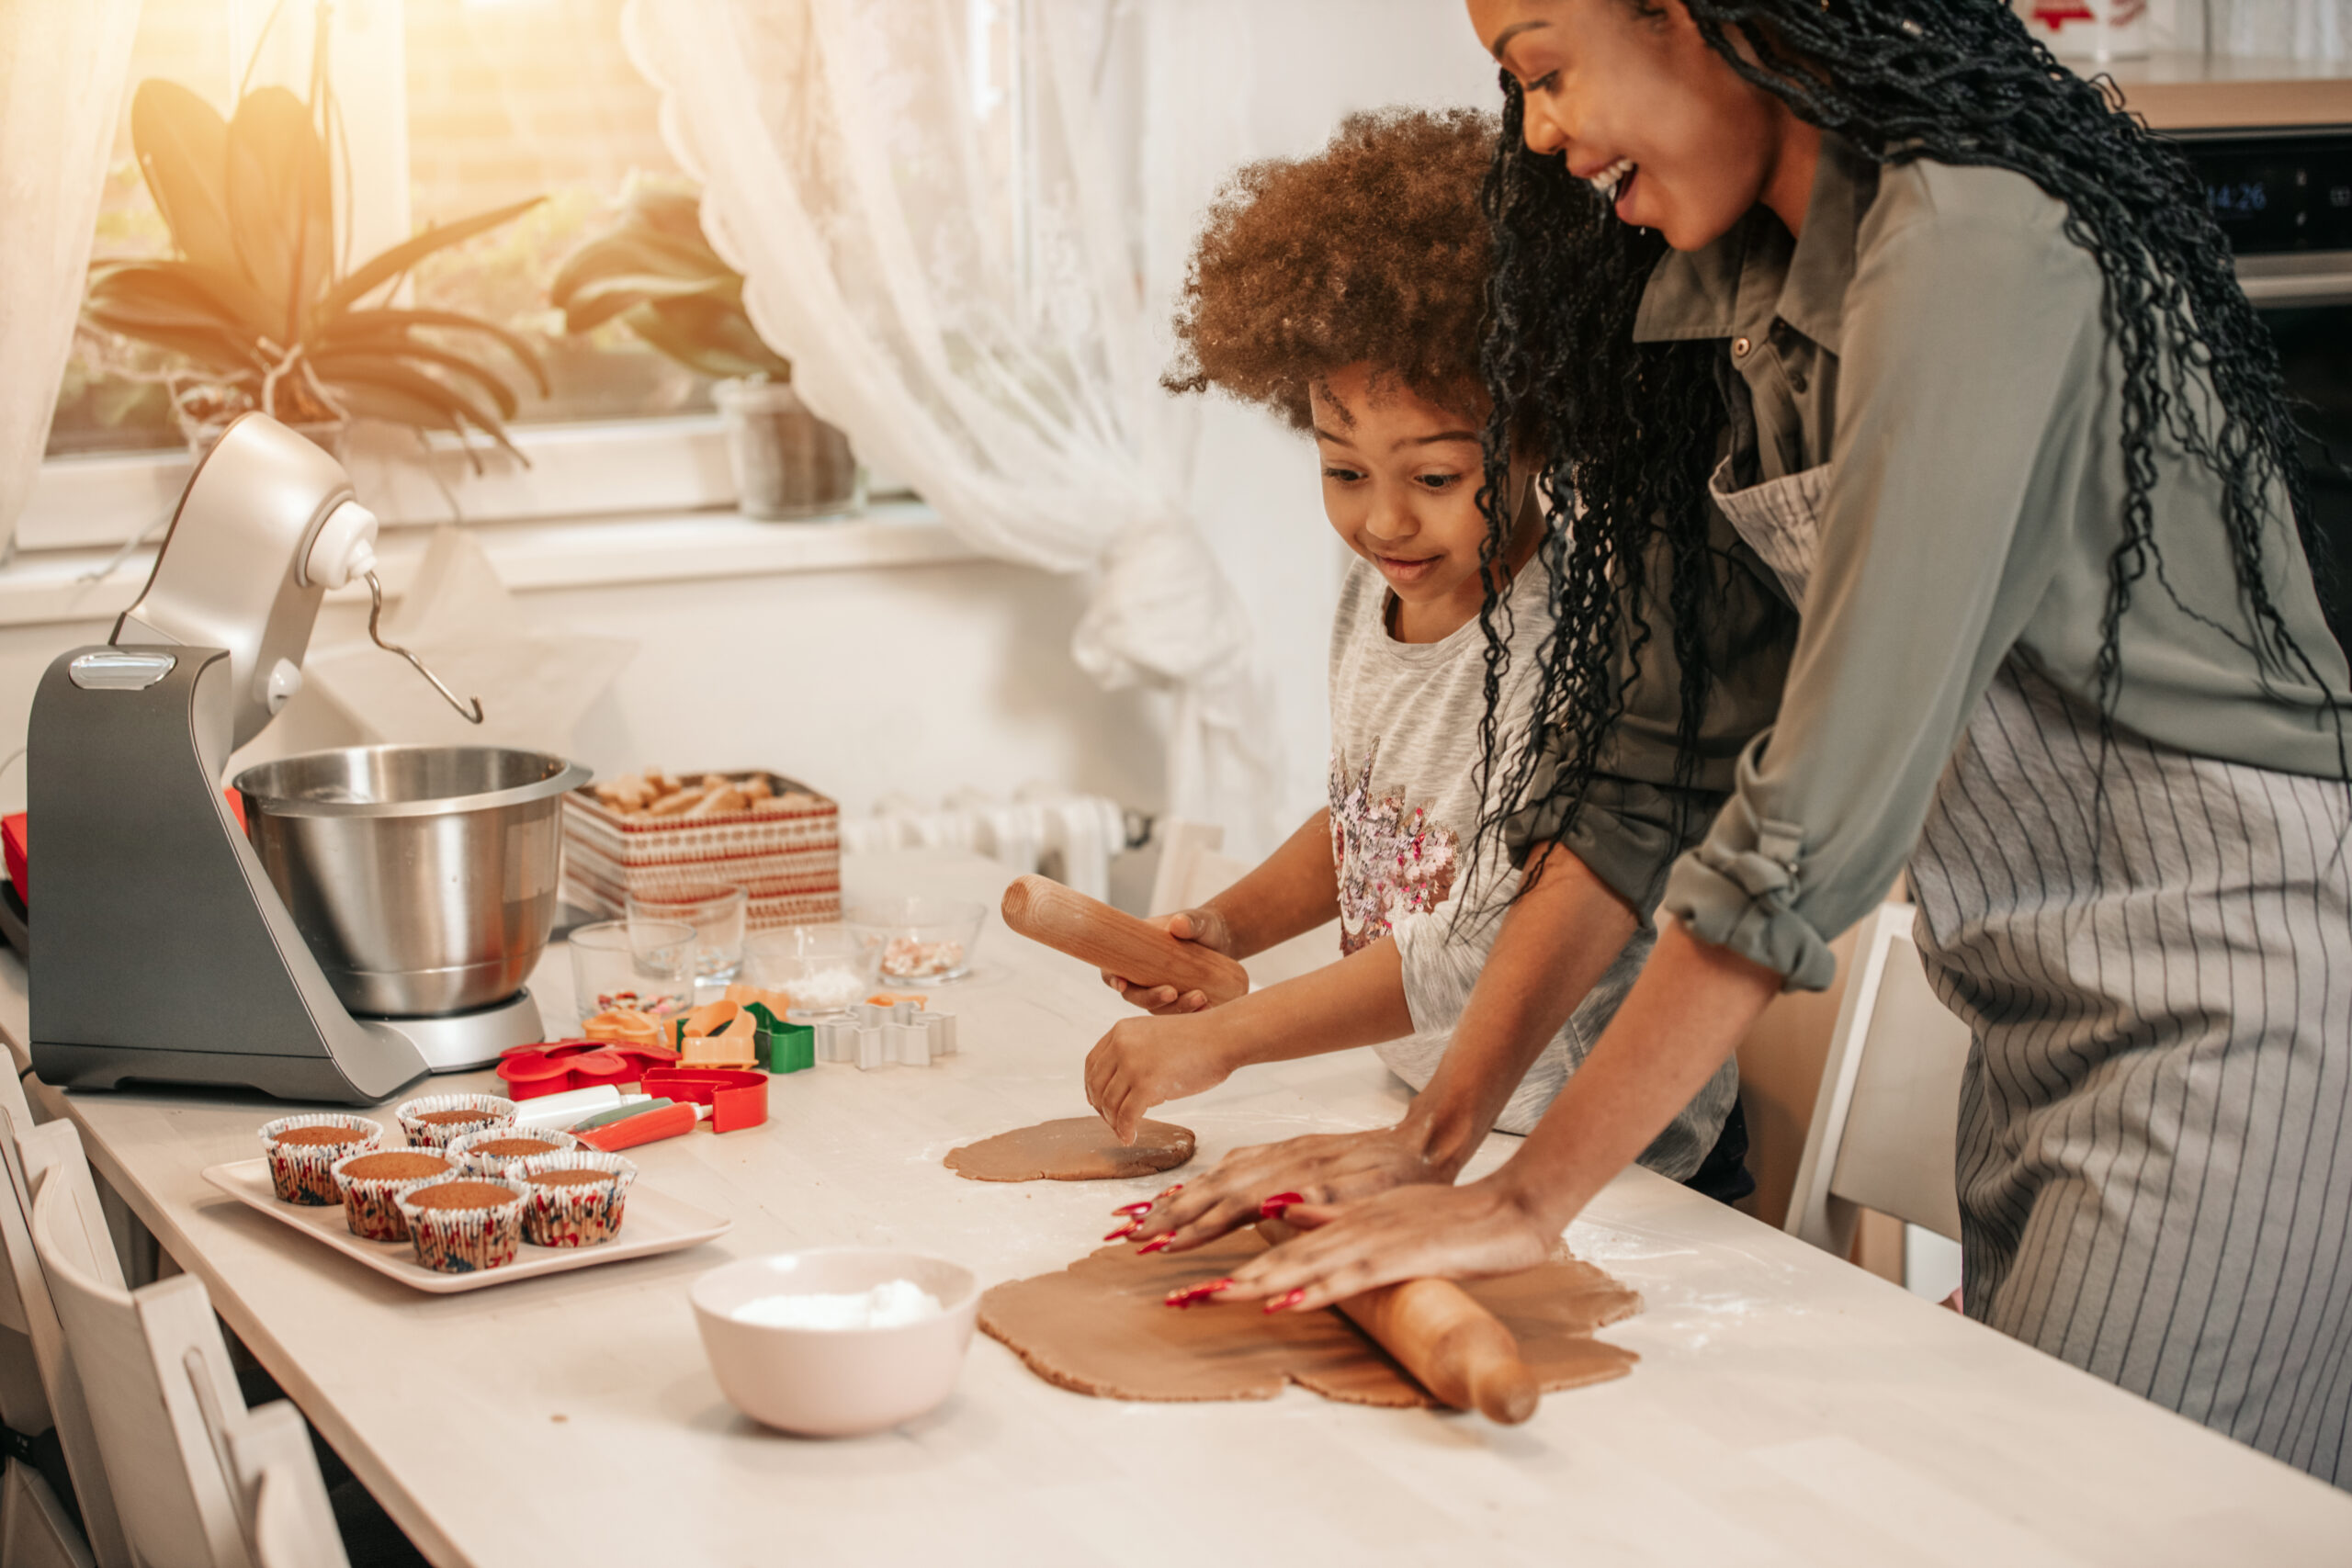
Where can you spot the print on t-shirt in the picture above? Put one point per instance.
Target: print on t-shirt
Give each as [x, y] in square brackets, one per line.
[1392, 861]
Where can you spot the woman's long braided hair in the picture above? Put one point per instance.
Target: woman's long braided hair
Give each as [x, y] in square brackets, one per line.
[1630, 430]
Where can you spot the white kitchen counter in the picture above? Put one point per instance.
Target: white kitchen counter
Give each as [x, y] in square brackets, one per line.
[1788, 1409]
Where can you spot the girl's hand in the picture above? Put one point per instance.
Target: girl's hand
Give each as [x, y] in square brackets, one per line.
[1410, 1233]
[1204, 926]
[1322, 1169]
[1145, 1062]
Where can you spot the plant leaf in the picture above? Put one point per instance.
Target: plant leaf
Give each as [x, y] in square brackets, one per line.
[182, 145]
[164, 303]
[635, 253]
[594, 304]
[329, 362]
[369, 326]
[281, 204]
[387, 375]
[718, 331]
[382, 268]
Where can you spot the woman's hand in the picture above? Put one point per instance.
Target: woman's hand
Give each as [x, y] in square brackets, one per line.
[1204, 926]
[1408, 1233]
[1145, 1062]
[1323, 1169]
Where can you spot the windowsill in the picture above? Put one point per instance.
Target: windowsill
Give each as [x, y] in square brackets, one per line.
[45, 587]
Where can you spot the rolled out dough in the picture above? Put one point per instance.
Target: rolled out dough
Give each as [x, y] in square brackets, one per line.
[1100, 1326]
[1078, 1149]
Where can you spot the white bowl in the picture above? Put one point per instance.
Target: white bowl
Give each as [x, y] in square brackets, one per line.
[834, 1382]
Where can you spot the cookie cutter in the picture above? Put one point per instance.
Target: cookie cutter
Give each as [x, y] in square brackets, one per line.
[561, 1065]
[738, 1097]
[873, 1036]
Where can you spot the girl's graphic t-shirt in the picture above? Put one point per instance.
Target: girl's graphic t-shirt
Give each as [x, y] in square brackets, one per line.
[1405, 809]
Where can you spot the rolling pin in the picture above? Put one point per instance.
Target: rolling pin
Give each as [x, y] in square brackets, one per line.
[1069, 921]
[1459, 1350]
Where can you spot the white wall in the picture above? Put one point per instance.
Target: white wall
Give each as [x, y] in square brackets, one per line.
[1231, 80]
[919, 679]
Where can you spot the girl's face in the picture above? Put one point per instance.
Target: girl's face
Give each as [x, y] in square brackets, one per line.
[1629, 92]
[1400, 484]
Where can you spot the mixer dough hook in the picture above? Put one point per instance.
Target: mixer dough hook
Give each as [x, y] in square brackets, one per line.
[375, 615]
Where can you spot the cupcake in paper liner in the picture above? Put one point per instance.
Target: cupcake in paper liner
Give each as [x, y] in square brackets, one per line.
[465, 1222]
[572, 1199]
[372, 1183]
[303, 1151]
[432, 1121]
[492, 1151]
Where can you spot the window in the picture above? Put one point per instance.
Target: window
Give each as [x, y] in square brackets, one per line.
[450, 107]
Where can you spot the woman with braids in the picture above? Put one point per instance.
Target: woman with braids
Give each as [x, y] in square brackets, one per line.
[1989, 404]
[1344, 291]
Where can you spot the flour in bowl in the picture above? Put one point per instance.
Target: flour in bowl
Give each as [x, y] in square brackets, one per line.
[891, 1304]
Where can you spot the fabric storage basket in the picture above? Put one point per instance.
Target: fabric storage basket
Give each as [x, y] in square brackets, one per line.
[789, 861]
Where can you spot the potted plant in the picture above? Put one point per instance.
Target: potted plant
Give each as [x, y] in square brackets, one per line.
[253, 303]
[650, 269]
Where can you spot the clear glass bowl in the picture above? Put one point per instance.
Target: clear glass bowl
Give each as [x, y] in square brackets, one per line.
[645, 969]
[925, 942]
[823, 968]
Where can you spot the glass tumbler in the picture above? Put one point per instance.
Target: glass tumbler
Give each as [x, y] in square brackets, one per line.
[717, 911]
[647, 967]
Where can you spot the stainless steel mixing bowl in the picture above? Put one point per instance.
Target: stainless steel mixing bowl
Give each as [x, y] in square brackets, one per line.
[423, 877]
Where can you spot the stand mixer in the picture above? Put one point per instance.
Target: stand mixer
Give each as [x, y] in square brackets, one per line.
[374, 918]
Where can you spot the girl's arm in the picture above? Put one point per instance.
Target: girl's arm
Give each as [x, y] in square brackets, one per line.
[1693, 1005]
[1293, 890]
[1556, 942]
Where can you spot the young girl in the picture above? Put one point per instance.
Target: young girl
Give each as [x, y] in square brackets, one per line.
[1345, 292]
[1991, 405]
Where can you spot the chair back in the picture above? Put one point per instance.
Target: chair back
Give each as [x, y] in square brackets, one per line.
[1885, 1124]
[1192, 869]
[277, 1471]
[161, 1394]
[25, 1288]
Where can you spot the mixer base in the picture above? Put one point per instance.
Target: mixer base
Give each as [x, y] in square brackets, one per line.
[465, 1042]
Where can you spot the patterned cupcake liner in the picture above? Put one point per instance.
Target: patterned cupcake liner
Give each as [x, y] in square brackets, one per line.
[579, 1215]
[464, 1241]
[495, 1112]
[371, 1204]
[466, 1150]
[304, 1173]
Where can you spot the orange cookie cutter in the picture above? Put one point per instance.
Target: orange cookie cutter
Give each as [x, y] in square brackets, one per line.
[736, 1096]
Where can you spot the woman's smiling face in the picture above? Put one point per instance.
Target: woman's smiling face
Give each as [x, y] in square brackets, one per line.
[1633, 98]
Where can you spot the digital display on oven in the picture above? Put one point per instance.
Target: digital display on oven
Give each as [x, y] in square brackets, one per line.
[2270, 195]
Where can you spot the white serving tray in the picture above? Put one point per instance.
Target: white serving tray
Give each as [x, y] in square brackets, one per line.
[652, 1223]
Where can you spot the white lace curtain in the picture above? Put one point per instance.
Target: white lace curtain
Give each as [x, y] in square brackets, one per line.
[63, 64]
[937, 221]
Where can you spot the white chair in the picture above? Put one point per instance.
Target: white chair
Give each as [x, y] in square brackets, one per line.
[1886, 1120]
[277, 1474]
[1192, 869]
[163, 1399]
[25, 1297]
[161, 1391]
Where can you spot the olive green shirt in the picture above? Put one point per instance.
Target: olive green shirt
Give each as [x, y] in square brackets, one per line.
[1936, 340]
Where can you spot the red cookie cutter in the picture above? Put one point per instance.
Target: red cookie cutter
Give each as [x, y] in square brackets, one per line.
[530, 1071]
[736, 1096]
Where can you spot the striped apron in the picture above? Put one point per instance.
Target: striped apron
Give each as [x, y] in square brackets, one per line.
[2156, 1123]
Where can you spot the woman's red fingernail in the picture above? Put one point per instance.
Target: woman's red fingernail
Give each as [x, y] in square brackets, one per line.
[1155, 1244]
[1191, 1295]
[1124, 1231]
[1133, 1209]
[1290, 1300]
[1272, 1208]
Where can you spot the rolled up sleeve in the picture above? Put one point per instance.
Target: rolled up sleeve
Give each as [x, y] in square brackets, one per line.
[1640, 808]
[1970, 352]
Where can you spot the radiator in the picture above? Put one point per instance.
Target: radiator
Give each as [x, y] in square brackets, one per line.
[1070, 837]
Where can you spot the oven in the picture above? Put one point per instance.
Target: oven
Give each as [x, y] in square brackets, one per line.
[2284, 197]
